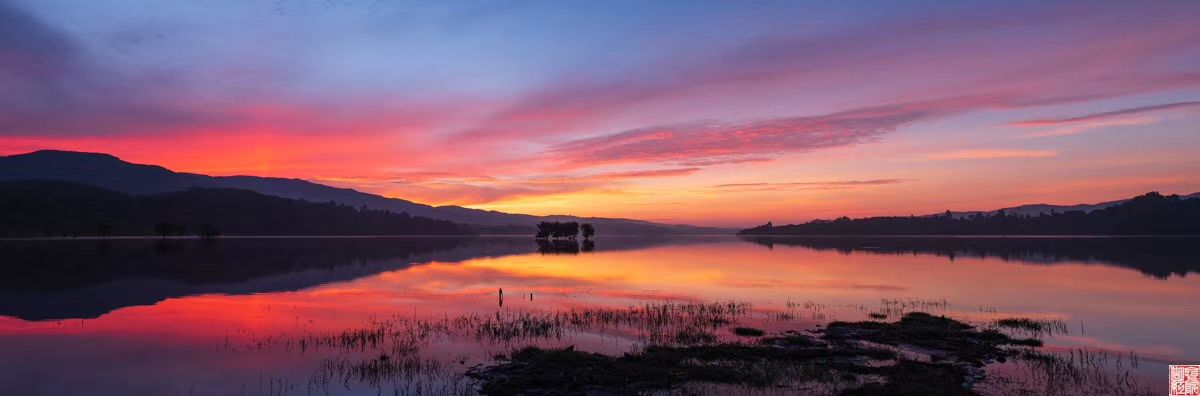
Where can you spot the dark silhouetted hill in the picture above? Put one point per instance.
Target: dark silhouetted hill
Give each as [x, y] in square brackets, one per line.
[52, 208]
[1039, 209]
[109, 172]
[1149, 214]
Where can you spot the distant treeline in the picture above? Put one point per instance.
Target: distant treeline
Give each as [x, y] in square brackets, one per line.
[48, 208]
[1149, 214]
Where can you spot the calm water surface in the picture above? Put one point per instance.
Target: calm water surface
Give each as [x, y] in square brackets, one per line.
[304, 316]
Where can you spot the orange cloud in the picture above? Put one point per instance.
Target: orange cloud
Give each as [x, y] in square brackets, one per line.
[474, 190]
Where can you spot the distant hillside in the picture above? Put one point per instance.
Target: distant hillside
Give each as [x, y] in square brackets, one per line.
[1038, 209]
[53, 208]
[1149, 214]
[109, 172]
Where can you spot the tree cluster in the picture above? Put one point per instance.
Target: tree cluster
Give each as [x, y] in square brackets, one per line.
[1149, 214]
[567, 230]
[557, 230]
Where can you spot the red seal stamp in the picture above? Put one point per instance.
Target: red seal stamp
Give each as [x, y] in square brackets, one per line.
[1185, 380]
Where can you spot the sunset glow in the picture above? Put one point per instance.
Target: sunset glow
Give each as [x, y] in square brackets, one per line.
[480, 197]
[707, 113]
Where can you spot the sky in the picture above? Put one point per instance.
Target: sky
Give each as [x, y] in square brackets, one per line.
[710, 113]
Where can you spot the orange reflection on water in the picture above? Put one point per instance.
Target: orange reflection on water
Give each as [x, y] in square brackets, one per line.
[1106, 307]
[1103, 298]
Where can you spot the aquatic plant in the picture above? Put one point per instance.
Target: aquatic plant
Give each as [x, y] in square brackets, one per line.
[1033, 326]
[680, 347]
[1078, 371]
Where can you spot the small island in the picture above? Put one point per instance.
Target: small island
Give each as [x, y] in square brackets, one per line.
[555, 237]
[564, 230]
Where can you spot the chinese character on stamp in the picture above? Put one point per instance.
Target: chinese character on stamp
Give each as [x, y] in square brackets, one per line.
[1185, 380]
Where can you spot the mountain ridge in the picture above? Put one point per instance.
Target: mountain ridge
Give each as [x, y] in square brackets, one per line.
[1040, 208]
[34, 208]
[1148, 214]
[110, 172]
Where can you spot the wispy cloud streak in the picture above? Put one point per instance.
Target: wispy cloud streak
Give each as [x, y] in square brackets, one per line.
[459, 189]
[716, 142]
[811, 185]
[1107, 114]
[991, 154]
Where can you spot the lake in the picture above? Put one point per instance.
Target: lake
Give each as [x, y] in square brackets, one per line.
[299, 316]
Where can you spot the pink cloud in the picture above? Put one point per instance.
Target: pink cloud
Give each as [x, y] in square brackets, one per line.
[1079, 63]
[712, 141]
[561, 138]
[991, 154]
[716, 142]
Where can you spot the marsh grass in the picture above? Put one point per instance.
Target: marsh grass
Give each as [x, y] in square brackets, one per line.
[393, 351]
[387, 351]
[896, 307]
[808, 309]
[651, 322]
[408, 373]
[1080, 371]
[1033, 326]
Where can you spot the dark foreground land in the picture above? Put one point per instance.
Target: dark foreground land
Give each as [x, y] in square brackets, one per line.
[860, 358]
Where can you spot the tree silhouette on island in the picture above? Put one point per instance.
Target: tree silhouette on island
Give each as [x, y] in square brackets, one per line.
[564, 230]
[560, 237]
